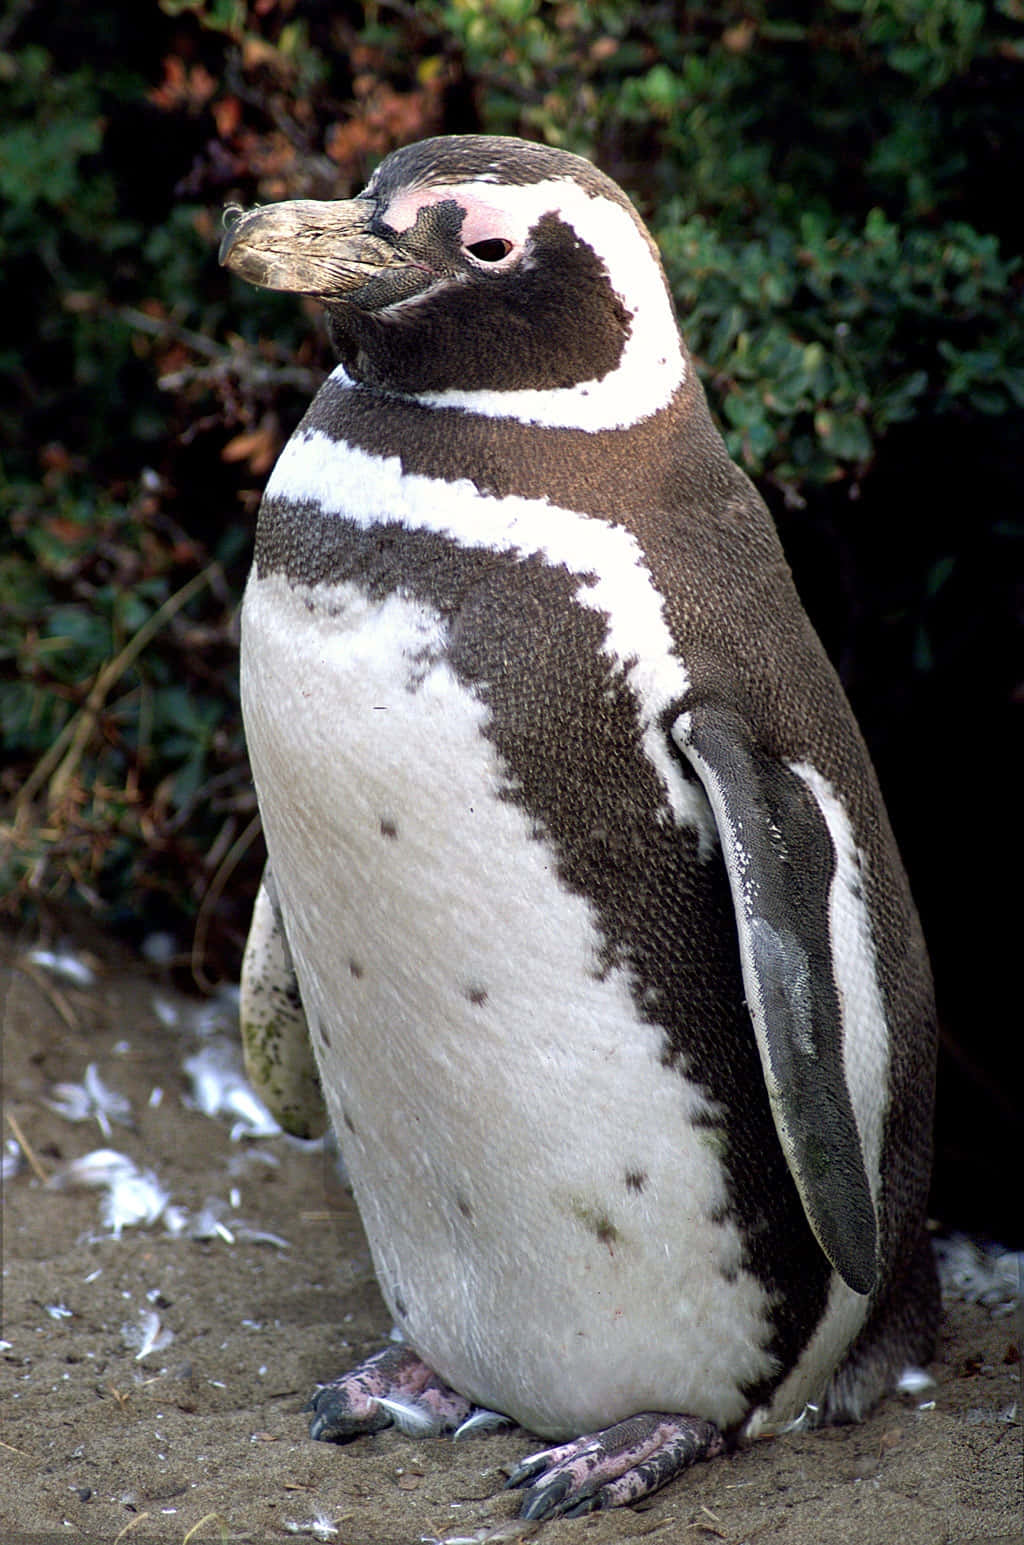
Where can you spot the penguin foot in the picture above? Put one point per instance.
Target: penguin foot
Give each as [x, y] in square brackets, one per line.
[394, 1387]
[619, 1465]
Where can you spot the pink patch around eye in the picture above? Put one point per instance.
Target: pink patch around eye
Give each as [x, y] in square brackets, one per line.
[483, 222]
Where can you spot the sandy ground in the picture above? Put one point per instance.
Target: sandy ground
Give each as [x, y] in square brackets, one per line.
[201, 1438]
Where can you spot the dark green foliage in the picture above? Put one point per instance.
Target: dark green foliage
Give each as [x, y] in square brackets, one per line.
[839, 259]
[835, 188]
[809, 185]
[816, 342]
[95, 593]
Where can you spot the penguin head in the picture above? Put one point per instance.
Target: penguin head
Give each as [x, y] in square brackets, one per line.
[473, 264]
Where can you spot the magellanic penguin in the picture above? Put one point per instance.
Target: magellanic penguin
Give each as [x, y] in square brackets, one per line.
[618, 997]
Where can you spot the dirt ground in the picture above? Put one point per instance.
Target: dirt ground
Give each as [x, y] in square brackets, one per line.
[200, 1437]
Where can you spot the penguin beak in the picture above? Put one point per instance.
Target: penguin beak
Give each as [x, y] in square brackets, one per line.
[309, 247]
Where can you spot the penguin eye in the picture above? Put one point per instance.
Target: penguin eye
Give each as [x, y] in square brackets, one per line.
[491, 250]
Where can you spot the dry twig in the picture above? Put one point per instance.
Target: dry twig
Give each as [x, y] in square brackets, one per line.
[57, 766]
[26, 1149]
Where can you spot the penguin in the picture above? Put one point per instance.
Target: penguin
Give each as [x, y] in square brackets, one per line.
[580, 881]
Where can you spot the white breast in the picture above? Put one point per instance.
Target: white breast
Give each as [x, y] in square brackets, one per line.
[537, 1199]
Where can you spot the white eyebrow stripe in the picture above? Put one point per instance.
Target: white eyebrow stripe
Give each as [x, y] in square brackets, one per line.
[652, 367]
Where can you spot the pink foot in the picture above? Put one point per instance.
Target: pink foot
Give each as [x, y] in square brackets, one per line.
[393, 1386]
[609, 1468]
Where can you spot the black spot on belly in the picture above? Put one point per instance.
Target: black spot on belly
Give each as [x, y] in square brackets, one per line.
[464, 1207]
[595, 1219]
[400, 1305]
[325, 1038]
[388, 827]
[477, 995]
[539, 660]
[347, 1119]
[636, 1179]
[355, 969]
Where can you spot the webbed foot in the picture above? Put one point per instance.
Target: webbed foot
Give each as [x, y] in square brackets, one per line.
[616, 1466]
[393, 1387]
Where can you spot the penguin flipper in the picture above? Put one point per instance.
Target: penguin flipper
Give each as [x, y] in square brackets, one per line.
[276, 1049]
[781, 860]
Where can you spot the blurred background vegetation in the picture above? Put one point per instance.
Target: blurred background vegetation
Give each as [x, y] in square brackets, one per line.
[836, 188]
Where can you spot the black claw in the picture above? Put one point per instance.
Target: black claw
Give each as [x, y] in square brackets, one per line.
[333, 1424]
[591, 1504]
[525, 1471]
[542, 1502]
